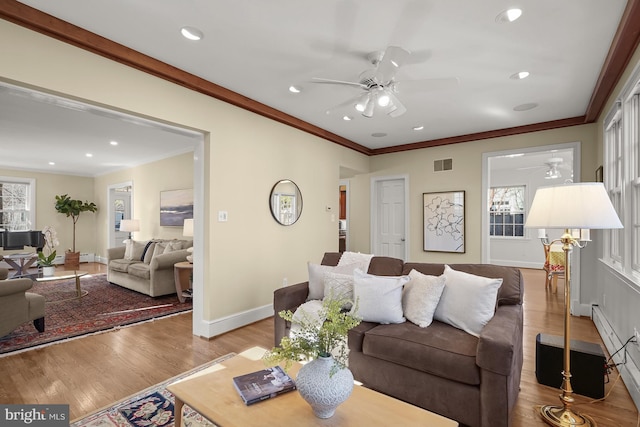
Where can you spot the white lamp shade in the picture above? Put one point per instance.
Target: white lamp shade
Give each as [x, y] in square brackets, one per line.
[581, 205]
[188, 227]
[130, 225]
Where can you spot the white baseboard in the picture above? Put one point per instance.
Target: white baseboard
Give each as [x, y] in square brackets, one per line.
[235, 321]
[629, 371]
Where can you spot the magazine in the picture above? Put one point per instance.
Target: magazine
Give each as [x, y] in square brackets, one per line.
[264, 384]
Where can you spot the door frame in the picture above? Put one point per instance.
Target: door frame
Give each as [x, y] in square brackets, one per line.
[375, 182]
[111, 219]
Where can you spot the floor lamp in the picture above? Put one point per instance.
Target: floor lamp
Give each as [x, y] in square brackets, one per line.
[576, 208]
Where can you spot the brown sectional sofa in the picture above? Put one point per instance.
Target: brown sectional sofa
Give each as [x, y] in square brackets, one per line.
[148, 271]
[473, 380]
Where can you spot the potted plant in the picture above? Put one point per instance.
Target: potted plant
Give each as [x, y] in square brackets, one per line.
[50, 242]
[325, 381]
[73, 208]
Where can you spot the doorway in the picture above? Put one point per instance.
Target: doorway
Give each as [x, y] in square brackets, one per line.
[120, 201]
[389, 216]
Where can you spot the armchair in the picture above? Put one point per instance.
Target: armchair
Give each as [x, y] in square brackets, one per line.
[17, 306]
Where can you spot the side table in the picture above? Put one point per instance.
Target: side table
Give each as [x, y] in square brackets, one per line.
[181, 274]
[20, 263]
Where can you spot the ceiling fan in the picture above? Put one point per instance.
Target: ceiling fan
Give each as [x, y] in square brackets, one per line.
[553, 166]
[380, 87]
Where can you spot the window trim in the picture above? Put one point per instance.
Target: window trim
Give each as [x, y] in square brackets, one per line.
[32, 195]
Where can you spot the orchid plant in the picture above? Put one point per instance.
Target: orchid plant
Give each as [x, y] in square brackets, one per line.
[50, 242]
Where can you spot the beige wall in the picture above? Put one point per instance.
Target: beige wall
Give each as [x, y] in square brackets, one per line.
[466, 175]
[47, 187]
[246, 258]
[148, 180]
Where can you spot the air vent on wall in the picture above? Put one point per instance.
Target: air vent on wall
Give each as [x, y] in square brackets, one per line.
[442, 165]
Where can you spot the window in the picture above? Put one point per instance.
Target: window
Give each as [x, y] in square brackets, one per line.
[16, 203]
[506, 211]
[622, 176]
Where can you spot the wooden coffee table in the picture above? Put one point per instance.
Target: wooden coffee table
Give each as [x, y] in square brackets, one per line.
[66, 274]
[214, 396]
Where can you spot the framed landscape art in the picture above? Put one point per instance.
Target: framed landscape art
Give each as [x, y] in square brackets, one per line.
[444, 224]
[175, 207]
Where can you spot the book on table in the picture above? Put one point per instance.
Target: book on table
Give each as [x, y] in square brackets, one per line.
[264, 384]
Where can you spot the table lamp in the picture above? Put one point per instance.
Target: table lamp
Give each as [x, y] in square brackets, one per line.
[130, 225]
[576, 208]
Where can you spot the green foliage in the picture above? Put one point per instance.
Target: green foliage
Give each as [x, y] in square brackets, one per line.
[46, 261]
[73, 208]
[316, 337]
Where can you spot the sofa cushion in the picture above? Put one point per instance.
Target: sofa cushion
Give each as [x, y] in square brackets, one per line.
[134, 249]
[378, 298]
[317, 277]
[121, 265]
[386, 266]
[468, 301]
[420, 297]
[141, 270]
[440, 349]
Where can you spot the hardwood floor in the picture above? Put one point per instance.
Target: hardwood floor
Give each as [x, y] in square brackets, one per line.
[95, 371]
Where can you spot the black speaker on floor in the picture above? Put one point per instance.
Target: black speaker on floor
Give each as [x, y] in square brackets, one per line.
[587, 365]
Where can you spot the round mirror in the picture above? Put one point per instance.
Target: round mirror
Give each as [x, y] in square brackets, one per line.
[285, 202]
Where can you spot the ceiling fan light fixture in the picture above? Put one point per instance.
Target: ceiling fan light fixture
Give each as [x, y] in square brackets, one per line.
[384, 100]
[191, 33]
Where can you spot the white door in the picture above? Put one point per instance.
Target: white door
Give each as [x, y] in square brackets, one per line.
[389, 219]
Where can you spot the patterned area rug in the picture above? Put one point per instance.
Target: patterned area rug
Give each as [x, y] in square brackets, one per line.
[106, 306]
[152, 407]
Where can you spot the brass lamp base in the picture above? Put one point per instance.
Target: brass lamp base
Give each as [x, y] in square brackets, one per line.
[564, 417]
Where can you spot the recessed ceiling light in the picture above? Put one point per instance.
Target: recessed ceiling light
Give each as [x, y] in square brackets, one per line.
[378, 134]
[519, 76]
[346, 118]
[418, 127]
[191, 33]
[294, 89]
[509, 15]
[52, 163]
[114, 143]
[525, 107]
[89, 155]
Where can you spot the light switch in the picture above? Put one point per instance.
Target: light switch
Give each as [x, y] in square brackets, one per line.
[222, 216]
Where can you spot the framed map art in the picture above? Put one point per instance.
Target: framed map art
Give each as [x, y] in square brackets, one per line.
[444, 224]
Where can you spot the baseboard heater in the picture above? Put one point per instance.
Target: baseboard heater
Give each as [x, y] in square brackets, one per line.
[587, 365]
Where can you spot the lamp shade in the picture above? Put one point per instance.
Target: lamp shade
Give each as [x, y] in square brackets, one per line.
[130, 225]
[580, 205]
[188, 228]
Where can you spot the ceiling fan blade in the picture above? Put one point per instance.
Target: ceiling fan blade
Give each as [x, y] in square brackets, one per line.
[426, 85]
[351, 102]
[398, 108]
[337, 82]
[392, 59]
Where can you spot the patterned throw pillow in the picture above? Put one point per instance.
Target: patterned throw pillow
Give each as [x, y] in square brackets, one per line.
[339, 286]
[420, 297]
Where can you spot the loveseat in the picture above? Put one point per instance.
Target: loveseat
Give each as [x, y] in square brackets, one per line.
[17, 306]
[472, 379]
[147, 266]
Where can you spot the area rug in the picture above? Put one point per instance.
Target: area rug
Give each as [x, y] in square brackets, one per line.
[152, 407]
[106, 306]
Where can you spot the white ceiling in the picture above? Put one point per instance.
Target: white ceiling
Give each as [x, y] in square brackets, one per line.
[259, 48]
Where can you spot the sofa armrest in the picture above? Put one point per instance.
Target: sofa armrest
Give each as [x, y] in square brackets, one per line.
[15, 286]
[287, 298]
[500, 340]
[4, 272]
[167, 260]
[115, 253]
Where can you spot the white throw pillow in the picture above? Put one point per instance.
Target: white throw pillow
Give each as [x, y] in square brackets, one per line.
[378, 298]
[309, 313]
[172, 247]
[339, 286]
[468, 301]
[133, 250]
[362, 260]
[420, 297]
[317, 276]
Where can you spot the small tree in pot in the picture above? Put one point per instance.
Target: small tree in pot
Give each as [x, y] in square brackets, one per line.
[73, 208]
